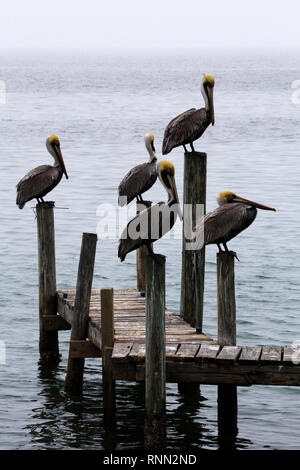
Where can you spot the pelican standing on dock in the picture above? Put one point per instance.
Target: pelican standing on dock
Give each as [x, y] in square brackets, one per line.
[190, 125]
[233, 216]
[154, 222]
[42, 179]
[140, 178]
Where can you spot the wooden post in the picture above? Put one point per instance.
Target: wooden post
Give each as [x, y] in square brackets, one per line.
[227, 394]
[193, 262]
[48, 343]
[226, 299]
[141, 255]
[74, 378]
[155, 386]
[107, 335]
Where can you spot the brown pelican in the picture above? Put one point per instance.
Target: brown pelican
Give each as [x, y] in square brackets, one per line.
[233, 216]
[42, 179]
[191, 124]
[140, 178]
[155, 221]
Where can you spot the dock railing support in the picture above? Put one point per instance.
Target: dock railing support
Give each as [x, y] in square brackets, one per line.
[48, 342]
[193, 262]
[107, 340]
[155, 386]
[74, 378]
[227, 394]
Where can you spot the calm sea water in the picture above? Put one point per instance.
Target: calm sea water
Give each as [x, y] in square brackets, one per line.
[100, 107]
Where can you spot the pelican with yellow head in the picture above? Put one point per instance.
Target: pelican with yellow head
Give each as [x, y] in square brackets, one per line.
[233, 215]
[154, 222]
[190, 125]
[42, 179]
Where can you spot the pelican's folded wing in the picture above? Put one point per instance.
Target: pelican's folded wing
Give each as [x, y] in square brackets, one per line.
[138, 180]
[35, 182]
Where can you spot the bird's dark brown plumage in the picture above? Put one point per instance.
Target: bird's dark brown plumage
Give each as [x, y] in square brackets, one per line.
[37, 183]
[226, 222]
[138, 180]
[185, 128]
[160, 212]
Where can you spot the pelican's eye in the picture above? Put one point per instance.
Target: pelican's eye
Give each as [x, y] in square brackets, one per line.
[230, 197]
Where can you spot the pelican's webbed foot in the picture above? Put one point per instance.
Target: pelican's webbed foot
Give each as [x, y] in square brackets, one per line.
[159, 258]
[45, 203]
[146, 203]
[233, 253]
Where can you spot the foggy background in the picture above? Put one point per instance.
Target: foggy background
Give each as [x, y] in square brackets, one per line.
[65, 25]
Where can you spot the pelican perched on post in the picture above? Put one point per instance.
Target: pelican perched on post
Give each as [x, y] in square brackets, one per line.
[190, 125]
[233, 216]
[140, 178]
[42, 179]
[155, 221]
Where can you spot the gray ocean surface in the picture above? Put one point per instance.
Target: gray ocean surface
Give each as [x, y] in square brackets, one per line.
[100, 106]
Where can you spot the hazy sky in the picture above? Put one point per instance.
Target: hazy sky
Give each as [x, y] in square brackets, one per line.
[155, 24]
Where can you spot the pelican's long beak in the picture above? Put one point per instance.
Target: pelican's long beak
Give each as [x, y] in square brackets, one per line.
[210, 94]
[61, 160]
[255, 204]
[175, 195]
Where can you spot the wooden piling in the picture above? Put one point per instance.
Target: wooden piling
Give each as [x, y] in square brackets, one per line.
[155, 386]
[141, 255]
[107, 342]
[48, 342]
[227, 394]
[193, 262]
[226, 299]
[74, 378]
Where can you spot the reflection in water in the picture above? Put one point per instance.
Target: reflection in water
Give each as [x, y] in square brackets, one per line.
[182, 420]
[65, 423]
[62, 422]
[227, 417]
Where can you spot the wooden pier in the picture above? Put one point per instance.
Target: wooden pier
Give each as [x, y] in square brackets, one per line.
[190, 357]
[139, 339]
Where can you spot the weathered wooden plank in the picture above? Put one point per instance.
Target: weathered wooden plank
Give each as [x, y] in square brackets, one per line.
[228, 354]
[187, 351]
[94, 335]
[83, 349]
[291, 355]
[250, 354]
[55, 323]
[121, 350]
[214, 373]
[171, 349]
[207, 352]
[271, 355]
[137, 351]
